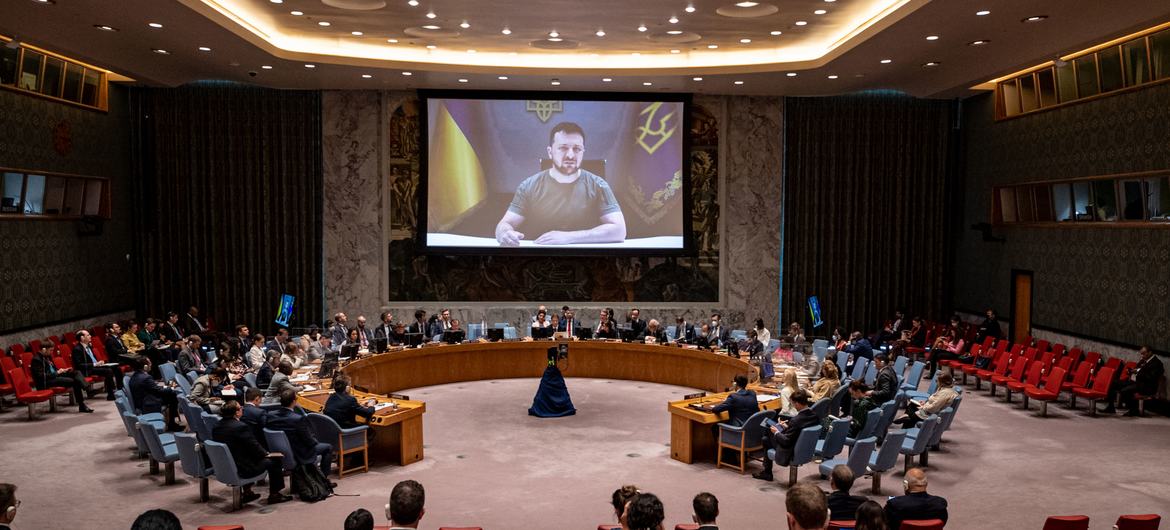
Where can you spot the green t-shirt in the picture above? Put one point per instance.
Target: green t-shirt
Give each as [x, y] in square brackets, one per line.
[548, 205]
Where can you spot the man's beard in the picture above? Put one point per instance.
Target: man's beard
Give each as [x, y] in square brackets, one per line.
[564, 169]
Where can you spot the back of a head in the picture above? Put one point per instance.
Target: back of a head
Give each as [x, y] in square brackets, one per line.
[156, 520]
[406, 503]
[229, 409]
[801, 397]
[7, 496]
[252, 394]
[915, 480]
[706, 508]
[621, 496]
[288, 396]
[645, 512]
[741, 381]
[340, 384]
[871, 516]
[842, 478]
[359, 519]
[285, 368]
[807, 507]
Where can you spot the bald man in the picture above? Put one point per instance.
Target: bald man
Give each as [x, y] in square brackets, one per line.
[916, 503]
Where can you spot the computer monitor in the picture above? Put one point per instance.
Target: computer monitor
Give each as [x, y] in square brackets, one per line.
[495, 334]
[414, 339]
[378, 345]
[629, 335]
[583, 332]
[542, 333]
[453, 336]
[349, 350]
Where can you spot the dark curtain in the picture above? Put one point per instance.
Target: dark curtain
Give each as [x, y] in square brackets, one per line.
[867, 208]
[229, 202]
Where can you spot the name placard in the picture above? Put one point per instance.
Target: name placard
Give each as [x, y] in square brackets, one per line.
[403, 397]
[695, 396]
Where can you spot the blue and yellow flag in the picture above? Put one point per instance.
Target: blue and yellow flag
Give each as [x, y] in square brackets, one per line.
[456, 184]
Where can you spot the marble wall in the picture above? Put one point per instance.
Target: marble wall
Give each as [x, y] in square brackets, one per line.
[371, 152]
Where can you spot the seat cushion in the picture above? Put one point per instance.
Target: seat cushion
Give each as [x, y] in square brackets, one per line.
[1015, 386]
[1089, 393]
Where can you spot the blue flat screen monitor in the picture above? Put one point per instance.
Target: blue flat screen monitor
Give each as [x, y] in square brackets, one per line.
[285, 310]
[814, 310]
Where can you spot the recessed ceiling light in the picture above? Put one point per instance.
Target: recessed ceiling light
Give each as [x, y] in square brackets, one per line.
[830, 1]
[45, 1]
[366, 76]
[747, 4]
[696, 79]
[982, 13]
[392, 41]
[606, 80]
[776, 33]
[647, 83]
[979, 42]
[555, 39]
[600, 33]
[739, 82]
[155, 25]
[356, 33]
[323, 23]
[1035, 18]
[104, 27]
[712, 46]
[407, 73]
[465, 24]
[310, 66]
[461, 80]
[674, 32]
[932, 37]
[832, 77]
[745, 41]
[412, 3]
[204, 49]
[431, 46]
[296, 13]
[160, 51]
[431, 14]
[641, 27]
[430, 27]
[820, 12]
[553, 34]
[791, 74]
[555, 82]
[470, 51]
[690, 9]
[673, 19]
[266, 67]
[277, 1]
[636, 54]
[675, 51]
[801, 23]
[887, 61]
[506, 31]
[930, 64]
[502, 78]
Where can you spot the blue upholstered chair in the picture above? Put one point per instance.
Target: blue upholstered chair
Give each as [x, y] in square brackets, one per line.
[210, 422]
[797, 358]
[344, 441]
[821, 407]
[511, 333]
[194, 415]
[773, 345]
[212, 356]
[859, 366]
[886, 458]
[836, 399]
[842, 362]
[225, 470]
[122, 403]
[833, 442]
[821, 353]
[746, 439]
[872, 418]
[915, 376]
[889, 410]
[184, 385]
[802, 453]
[250, 377]
[900, 366]
[130, 421]
[278, 443]
[192, 376]
[871, 374]
[168, 372]
[165, 453]
[912, 447]
[920, 395]
[474, 331]
[857, 461]
[191, 459]
[820, 343]
[738, 334]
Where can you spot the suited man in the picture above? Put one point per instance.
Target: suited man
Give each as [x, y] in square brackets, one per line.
[420, 322]
[278, 342]
[706, 508]
[149, 396]
[242, 343]
[1144, 380]
[703, 337]
[385, 330]
[440, 324]
[338, 331]
[718, 334]
[345, 409]
[568, 321]
[365, 335]
[739, 405]
[253, 415]
[304, 444]
[192, 325]
[115, 348]
[45, 376]
[85, 361]
[653, 334]
[842, 505]
[782, 436]
[684, 332]
[885, 387]
[191, 358]
[916, 503]
[170, 328]
[634, 320]
[989, 328]
[251, 458]
[858, 346]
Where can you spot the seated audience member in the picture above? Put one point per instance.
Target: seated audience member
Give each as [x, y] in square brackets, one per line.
[783, 435]
[280, 380]
[250, 456]
[871, 517]
[385, 329]
[645, 512]
[407, 504]
[989, 328]
[653, 334]
[719, 334]
[939, 400]
[914, 337]
[191, 356]
[739, 405]
[620, 498]
[304, 444]
[606, 329]
[684, 332]
[703, 337]
[540, 310]
[257, 354]
[267, 370]
[635, 322]
[253, 415]
[755, 348]
[949, 346]
[1143, 380]
[344, 408]
[45, 376]
[839, 339]
[86, 363]
[293, 355]
[862, 404]
[807, 507]
[762, 332]
[130, 338]
[156, 519]
[795, 334]
[885, 386]
[789, 385]
[828, 383]
[916, 503]
[278, 342]
[319, 348]
[242, 342]
[8, 505]
[116, 350]
[359, 519]
[353, 338]
[235, 368]
[842, 505]
[205, 389]
[170, 328]
[192, 324]
[418, 326]
[859, 346]
[148, 396]
[540, 320]
[706, 508]
[893, 330]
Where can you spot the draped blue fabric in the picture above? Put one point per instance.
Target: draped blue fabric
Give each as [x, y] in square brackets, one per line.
[552, 397]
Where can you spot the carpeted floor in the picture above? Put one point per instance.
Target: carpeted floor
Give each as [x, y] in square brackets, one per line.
[489, 464]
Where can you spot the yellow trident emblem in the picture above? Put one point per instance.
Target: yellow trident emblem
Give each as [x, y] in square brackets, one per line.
[544, 109]
[661, 133]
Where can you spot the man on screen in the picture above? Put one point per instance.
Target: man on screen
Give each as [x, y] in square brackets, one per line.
[563, 204]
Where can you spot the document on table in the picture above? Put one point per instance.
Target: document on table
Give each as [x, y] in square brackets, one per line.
[764, 398]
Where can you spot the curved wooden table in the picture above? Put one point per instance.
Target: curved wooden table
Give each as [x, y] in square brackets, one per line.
[441, 364]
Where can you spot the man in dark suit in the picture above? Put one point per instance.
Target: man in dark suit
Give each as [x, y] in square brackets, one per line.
[85, 361]
[703, 337]
[568, 321]
[634, 320]
[718, 334]
[304, 444]
[989, 328]
[653, 334]
[277, 344]
[420, 322]
[385, 330]
[858, 346]
[251, 458]
[242, 343]
[684, 332]
[115, 348]
[706, 508]
[253, 415]
[916, 503]
[345, 409]
[740, 405]
[192, 324]
[170, 329]
[45, 376]
[885, 387]
[842, 505]
[782, 436]
[1143, 380]
[8, 505]
[149, 396]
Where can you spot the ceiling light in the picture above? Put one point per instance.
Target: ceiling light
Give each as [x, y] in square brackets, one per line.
[503, 78]
[470, 51]
[296, 13]
[555, 82]
[506, 31]
[887, 61]
[820, 12]
[323, 23]
[636, 54]
[104, 27]
[430, 27]
[1035, 18]
[356, 33]
[745, 41]
[431, 46]
[832, 77]
[930, 64]
[465, 24]
[155, 25]
[747, 4]
[310, 66]
[674, 32]
[647, 83]
[553, 34]
[739, 82]
[675, 51]
[791, 74]
[392, 41]
[277, 1]
[366, 76]
[673, 19]
[712, 46]
[606, 80]
[431, 14]
[982, 13]
[641, 27]
[690, 9]
[932, 37]
[696, 79]
[600, 33]
[407, 73]
[204, 49]
[979, 42]
[266, 67]
[412, 3]
[160, 51]
[830, 1]
[801, 23]
[462, 80]
[776, 33]
[44, 1]
[555, 39]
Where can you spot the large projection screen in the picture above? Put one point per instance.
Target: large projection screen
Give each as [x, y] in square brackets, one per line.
[555, 173]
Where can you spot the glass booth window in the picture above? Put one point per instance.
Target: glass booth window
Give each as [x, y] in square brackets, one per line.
[1104, 200]
[1062, 202]
[34, 195]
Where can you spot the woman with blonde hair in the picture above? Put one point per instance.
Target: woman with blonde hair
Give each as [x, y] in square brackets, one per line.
[828, 383]
[788, 385]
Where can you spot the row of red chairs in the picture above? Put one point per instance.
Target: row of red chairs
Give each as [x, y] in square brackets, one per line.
[16, 374]
[1147, 521]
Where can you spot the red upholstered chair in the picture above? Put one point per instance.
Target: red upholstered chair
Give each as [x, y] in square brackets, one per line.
[460, 528]
[1092, 357]
[842, 525]
[1099, 390]
[1079, 380]
[1076, 354]
[1032, 379]
[1058, 349]
[1000, 363]
[1017, 349]
[1015, 373]
[227, 527]
[17, 350]
[26, 394]
[5, 385]
[1028, 341]
[1042, 345]
[1067, 522]
[1050, 391]
[34, 345]
[923, 524]
[686, 526]
[54, 339]
[1147, 521]
[988, 342]
[599, 527]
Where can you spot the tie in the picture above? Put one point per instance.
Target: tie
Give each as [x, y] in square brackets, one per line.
[89, 352]
[362, 334]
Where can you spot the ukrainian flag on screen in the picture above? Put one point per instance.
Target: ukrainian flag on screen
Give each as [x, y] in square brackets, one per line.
[456, 182]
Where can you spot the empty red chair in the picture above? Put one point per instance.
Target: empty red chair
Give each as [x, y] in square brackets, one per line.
[26, 394]
[842, 525]
[599, 527]
[1093, 357]
[1065, 362]
[1058, 349]
[1032, 379]
[54, 339]
[1112, 362]
[686, 526]
[1028, 341]
[1147, 521]
[1000, 362]
[1042, 345]
[34, 345]
[227, 527]
[1050, 391]
[17, 350]
[1003, 345]
[1017, 371]
[988, 342]
[1067, 522]
[5, 386]
[1079, 380]
[1076, 354]
[1017, 349]
[1099, 390]
[1046, 361]
[462, 528]
[923, 524]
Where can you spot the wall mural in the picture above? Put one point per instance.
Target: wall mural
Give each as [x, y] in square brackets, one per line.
[415, 276]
